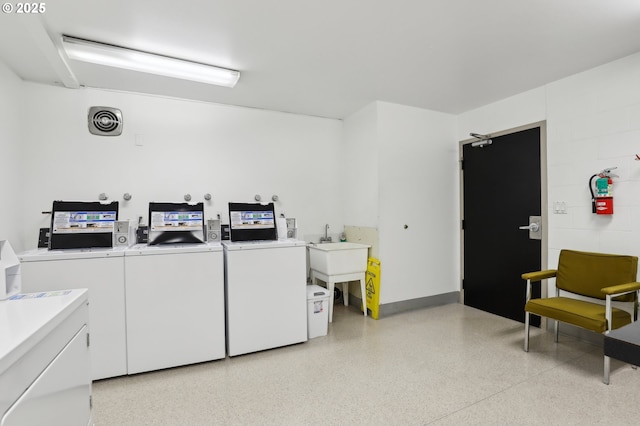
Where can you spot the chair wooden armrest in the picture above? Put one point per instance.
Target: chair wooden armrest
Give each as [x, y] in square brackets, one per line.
[536, 276]
[539, 275]
[614, 291]
[620, 289]
[610, 293]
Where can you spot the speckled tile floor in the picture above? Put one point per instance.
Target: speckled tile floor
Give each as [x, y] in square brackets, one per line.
[448, 365]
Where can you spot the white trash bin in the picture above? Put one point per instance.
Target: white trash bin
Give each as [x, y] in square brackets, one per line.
[317, 311]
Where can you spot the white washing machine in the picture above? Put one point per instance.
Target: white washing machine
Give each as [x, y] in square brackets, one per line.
[266, 294]
[102, 272]
[175, 305]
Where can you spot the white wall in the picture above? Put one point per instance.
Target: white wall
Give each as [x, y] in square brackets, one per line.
[418, 169]
[186, 147]
[593, 122]
[315, 165]
[524, 108]
[361, 166]
[12, 192]
[411, 164]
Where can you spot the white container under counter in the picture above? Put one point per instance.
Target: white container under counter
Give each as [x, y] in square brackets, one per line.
[266, 294]
[102, 272]
[317, 311]
[44, 359]
[175, 305]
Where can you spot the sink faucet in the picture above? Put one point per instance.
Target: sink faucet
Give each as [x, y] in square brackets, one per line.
[326, 238]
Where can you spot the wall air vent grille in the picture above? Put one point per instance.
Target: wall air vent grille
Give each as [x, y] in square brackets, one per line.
[105, 121]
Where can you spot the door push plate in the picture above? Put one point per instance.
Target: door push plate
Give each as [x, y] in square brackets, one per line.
[534, 227]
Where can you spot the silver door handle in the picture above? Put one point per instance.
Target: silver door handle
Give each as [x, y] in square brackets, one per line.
[532, 227]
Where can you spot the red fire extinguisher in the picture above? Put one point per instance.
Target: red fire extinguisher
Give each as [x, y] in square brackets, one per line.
[602, 198]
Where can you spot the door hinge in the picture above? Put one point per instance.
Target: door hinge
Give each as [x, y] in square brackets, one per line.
[90, 402]
[462, 224]
[461, 164]
[88, 340]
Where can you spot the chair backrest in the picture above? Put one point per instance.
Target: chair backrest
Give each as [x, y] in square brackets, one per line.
[586, 273]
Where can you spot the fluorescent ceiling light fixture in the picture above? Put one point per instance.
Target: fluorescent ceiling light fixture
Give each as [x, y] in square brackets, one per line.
[137, 60]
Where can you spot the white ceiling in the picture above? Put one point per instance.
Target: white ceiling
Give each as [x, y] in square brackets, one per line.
[330, 58]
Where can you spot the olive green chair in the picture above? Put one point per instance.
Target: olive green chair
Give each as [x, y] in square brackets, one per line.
[595, 277]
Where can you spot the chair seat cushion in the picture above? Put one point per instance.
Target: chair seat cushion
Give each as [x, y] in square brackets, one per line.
[581, 313]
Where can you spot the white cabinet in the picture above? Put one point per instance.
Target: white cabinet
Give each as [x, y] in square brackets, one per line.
[102, 272]
[175, 305]
[44, 361]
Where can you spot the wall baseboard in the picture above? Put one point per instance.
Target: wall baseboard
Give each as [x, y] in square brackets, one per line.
[409, 305]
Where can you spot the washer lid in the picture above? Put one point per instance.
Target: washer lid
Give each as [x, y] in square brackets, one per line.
[39, 255]
[254, 245]
[146, 250]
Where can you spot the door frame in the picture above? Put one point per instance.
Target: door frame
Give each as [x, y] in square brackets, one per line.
[544, 208]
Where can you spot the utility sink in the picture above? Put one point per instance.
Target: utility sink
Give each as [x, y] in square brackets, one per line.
[338, 258]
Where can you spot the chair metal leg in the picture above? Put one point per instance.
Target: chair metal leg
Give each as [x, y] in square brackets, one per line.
[526, 331]
[556, 330]
[607, 366]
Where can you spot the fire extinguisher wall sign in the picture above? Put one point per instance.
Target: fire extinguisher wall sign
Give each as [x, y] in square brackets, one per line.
[604, 205]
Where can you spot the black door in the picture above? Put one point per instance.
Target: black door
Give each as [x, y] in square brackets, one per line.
[501, 189]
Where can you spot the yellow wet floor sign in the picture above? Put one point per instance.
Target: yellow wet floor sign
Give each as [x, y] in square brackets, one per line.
[373, 286]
